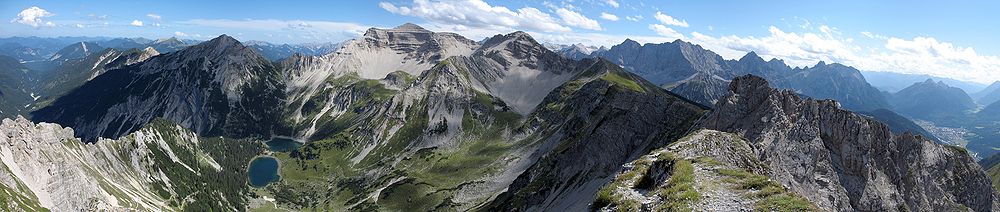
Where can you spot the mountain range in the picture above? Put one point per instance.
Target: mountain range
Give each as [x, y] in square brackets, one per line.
[932, 100]
[894, 82]
[416, 120]
[701, 75]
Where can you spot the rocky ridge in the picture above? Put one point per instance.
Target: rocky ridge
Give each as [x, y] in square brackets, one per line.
[844, 161]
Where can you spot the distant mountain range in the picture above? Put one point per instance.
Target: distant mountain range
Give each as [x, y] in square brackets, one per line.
[894, 82]
[701, 75]
[38, 49]
[930, 100]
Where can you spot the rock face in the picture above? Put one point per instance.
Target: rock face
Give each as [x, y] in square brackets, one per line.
[160, 168]
[218, 87]
[843, 161]
[899, 124]
[702, 76]
[930, 100]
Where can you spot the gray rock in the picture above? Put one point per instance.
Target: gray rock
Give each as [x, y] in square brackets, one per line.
[843, 161]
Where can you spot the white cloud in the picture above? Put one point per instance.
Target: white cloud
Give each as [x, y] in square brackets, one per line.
[920, 55]
[633, 18]
[577, 20]
[609, 16]
[79, 25]
[33, 17]
[666, 31]
[612, 3]
[478, 14]
[797, 49]
[180, 34]
[927, 55]
[136, 23]
[668, 20]
[155, 17]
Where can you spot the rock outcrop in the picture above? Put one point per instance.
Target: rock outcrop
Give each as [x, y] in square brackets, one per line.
[843, 161]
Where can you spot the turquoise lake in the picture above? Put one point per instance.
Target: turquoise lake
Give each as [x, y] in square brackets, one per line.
[282, 144]
[263, 170]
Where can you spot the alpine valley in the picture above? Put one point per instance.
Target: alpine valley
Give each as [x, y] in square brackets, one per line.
[408, 119]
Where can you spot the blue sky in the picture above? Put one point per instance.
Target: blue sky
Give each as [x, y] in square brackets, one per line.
[950, 39]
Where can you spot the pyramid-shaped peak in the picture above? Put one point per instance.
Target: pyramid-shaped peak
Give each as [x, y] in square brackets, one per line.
[629, 41]
[223, 40]
[409, 27]
[752, 56]
[219, 45]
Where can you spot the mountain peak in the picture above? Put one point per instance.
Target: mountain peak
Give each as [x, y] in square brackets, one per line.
[630, 42]
[518, 37]
[168, 40]
[409, 27]
[222, 41]
[751, 56]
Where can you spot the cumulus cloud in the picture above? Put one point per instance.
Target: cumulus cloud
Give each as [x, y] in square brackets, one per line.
[79, 26]
[609, 16]
[797, 49]
[478, 14]
[33, 17]
[919, 55]
[633, 18]
[577, 20]
[927, 55]
[668, 20]
[666, 31]
[612, 3]
[180, 34]
[136, 23]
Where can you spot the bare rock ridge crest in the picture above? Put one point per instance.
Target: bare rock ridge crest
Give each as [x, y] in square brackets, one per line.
[840, 160]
